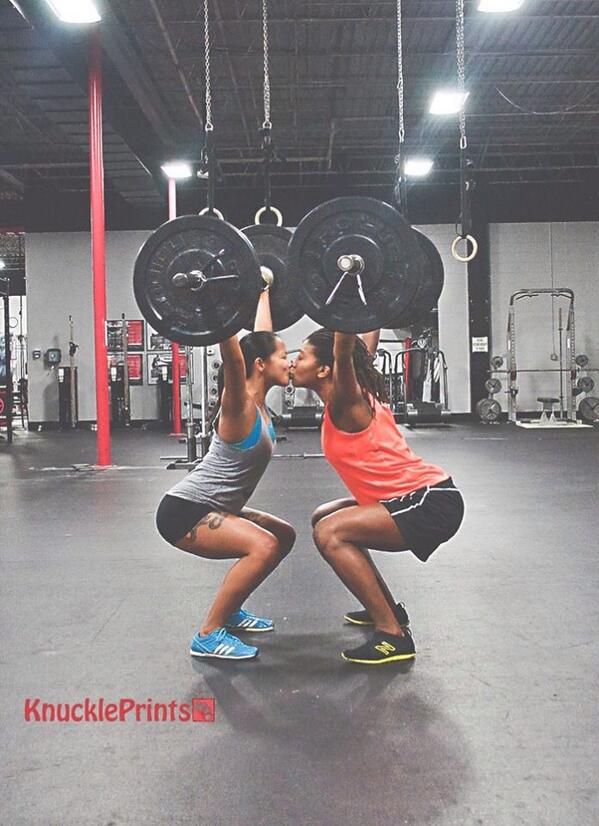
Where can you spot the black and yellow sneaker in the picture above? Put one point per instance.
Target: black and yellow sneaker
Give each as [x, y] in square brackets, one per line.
[382, 648]
[363, 617]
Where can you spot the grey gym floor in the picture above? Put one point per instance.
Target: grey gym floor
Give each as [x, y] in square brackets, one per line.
[496, 722]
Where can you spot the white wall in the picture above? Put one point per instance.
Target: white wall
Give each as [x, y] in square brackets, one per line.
[59, 284]
[521, 259]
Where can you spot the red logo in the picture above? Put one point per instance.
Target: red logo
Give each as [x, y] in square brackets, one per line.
[202, 709]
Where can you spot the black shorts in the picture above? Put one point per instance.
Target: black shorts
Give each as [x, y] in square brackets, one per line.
[175, 517]
[427, 517]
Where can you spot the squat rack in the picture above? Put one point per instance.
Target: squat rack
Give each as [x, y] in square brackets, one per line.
[567, 366]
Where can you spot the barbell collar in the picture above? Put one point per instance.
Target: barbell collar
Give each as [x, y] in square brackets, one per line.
[351, 264]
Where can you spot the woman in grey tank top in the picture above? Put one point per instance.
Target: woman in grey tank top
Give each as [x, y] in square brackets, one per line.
[205, 513]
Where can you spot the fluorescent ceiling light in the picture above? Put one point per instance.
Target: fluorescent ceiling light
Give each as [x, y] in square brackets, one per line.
[177, 170]
[418, 167]
[447, 101]
[75, 11]
[495, 6]
[2, 265]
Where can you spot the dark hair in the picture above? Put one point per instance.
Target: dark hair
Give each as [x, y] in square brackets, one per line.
[370, 380]
[254, 346]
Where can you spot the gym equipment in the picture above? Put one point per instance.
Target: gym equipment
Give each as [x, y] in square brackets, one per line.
[197, 280]
[304, 416]
[73, 415]
[270, 244]
[126, 383]
[430, 287]
[547, 413]
[585, 384]
[416, 380]
[270, 155]
[493, 386]
[67, 397]
[570, 384]
[118, 406]
[6, 381]
[355, 264]
[489, 410]
[466, 182]
[559, 292]
[189, 461]
[588, 410]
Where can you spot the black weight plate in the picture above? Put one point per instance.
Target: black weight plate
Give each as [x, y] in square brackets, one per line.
[586, 384]
[430, 288]
[270, 245]
[588, 410]
[393, 264]
[493, 385]
[582, 360]
[497, 362]
[489, 410]
[219, 310]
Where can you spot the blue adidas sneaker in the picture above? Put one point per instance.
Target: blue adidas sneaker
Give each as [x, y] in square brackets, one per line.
[242, 620]
[222, 645]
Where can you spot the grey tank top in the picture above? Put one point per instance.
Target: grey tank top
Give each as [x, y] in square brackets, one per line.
[229, 473]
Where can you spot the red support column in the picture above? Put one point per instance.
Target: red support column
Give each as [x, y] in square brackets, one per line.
[407, 343]
[175, 366]
[96, 170]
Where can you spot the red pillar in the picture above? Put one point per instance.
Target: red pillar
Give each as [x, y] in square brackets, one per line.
[175, 366]
[407, 343]
[96, 170]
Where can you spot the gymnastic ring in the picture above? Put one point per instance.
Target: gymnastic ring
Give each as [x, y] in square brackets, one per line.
[262, 210]
[216, 211]
[454, 248]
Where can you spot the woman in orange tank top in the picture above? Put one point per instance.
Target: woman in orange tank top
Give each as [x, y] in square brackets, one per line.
[398, 501]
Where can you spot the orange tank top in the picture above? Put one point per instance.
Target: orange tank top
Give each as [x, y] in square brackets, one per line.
[376, 463]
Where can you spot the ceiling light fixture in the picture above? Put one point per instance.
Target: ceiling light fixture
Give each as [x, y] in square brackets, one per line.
[418, 167]
[178, 170]
[447, 101]
[499, 6]
[75, 11]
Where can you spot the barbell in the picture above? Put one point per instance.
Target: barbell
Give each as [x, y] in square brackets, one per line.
[353, 264]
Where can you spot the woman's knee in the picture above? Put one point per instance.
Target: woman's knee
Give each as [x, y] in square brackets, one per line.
[286, 537]
[266, 550]
[329, 508]
[325, 537]
[320, 512]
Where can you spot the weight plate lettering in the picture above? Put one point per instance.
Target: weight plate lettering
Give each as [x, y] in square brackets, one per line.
[197, 280]
[383, 274]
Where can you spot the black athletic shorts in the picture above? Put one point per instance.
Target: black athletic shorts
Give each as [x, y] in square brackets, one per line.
[175, 517]
[427, 517]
